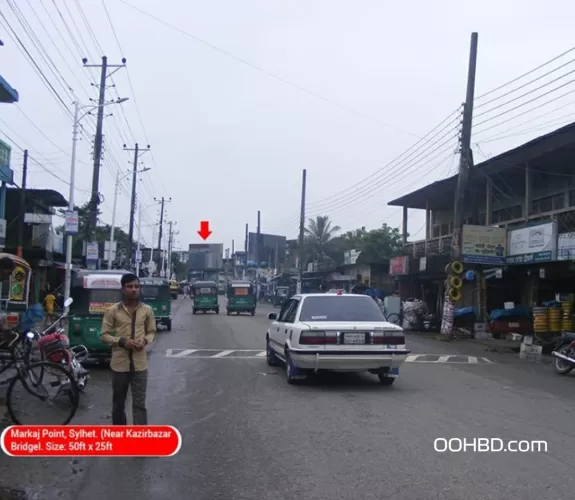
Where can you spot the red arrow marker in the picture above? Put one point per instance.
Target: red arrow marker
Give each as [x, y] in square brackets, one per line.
[204, 231]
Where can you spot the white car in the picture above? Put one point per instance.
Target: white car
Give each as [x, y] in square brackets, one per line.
[343, 333]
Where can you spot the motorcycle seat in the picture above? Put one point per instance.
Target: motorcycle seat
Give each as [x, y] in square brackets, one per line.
[569, 336]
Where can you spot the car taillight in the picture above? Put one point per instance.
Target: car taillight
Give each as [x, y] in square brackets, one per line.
[317, 338]
[388, 338]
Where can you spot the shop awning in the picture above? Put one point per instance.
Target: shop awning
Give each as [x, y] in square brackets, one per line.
[7, 93]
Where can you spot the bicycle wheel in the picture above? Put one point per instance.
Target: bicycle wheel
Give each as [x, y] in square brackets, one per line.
[24, 395]
[393, 318]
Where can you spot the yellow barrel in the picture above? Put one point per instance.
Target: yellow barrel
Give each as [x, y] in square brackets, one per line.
[540, 323]
[566, 316]
[554, 315]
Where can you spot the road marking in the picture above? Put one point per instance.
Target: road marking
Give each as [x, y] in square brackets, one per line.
[453, 359]
[181, 354]
[222, 354]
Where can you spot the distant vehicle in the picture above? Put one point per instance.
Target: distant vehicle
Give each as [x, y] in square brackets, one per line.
[342, 333]
[336, 290]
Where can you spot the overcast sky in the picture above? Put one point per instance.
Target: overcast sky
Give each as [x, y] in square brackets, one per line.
[236, 97]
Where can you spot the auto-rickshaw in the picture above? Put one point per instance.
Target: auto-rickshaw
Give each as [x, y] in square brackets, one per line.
[93, 292]
[174, 289]
[281, 296]
[205, 296]
[15, 291]
[156, 292]
[241, 298]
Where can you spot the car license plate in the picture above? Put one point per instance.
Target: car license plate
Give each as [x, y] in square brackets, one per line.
[513, 325]
[354, 338]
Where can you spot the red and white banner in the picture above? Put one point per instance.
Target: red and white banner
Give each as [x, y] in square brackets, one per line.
[91, 441]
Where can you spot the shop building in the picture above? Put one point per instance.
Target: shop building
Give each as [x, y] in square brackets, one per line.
[519, 228]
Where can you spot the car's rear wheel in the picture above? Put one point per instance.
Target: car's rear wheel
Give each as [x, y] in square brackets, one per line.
[271, 358]
[291, 371]
[384, 379]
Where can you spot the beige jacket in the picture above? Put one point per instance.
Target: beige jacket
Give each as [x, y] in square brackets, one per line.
[118, 324]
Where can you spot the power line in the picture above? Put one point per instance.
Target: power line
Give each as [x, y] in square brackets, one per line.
[525, 74]
[266, 72]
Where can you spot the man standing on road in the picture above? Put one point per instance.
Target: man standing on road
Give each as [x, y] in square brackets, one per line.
[129, 327]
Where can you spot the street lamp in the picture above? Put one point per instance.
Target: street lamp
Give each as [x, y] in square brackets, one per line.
[116, 189]
[77, 118]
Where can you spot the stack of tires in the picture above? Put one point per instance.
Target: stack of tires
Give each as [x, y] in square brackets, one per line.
[454, 284]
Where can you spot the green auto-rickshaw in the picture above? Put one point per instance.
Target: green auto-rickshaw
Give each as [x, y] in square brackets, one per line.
[205, 296]
[157, 294]
[93, 292]
[241, 298]
[281, 296]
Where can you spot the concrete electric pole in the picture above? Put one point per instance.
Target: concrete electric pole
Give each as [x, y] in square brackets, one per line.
[465, 163]
[301, 231]
[98, 140]
[137, 153]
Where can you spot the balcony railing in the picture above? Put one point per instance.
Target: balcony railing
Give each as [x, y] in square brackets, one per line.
[432, 246]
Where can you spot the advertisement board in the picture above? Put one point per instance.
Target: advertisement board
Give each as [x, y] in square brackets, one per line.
[532, 244]
[483, 245]
[399, 266]
[103, 282]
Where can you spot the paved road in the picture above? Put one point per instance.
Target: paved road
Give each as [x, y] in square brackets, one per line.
[248, 435]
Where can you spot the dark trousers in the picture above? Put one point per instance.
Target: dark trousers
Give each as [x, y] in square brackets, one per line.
[121, 382]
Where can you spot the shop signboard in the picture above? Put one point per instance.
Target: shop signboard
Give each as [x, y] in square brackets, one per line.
[399, 266]
[483, 245]
[566, 246]
[6, 173]
[71, 223]
[532, 244]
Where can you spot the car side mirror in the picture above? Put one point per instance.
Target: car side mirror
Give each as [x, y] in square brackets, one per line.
[272, 316]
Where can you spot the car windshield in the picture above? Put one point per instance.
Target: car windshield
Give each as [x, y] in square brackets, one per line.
[340, 308]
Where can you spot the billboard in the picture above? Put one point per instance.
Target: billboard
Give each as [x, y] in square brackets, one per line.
[205, 256]
[269, 244]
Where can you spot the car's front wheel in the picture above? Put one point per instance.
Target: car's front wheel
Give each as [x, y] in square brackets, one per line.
[271, 358]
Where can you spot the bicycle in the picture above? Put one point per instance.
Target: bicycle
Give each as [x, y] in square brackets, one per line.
[31, 375]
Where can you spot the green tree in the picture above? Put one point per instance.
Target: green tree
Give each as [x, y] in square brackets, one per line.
[319, 233]
[379, 245]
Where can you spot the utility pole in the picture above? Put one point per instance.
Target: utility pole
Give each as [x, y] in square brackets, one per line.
[301, 230]
[162, 203]
[233, 260]
[465, 163]
[20, 250]
[257, 248]
[98, 140]
[138, 256]
[137, 153]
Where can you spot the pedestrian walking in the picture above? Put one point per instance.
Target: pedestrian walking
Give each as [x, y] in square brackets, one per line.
[129, 327]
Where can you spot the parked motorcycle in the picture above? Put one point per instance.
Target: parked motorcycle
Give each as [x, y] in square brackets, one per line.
[54, 346]
[564, 353]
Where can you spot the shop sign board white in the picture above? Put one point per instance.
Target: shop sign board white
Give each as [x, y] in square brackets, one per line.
[532, 244]
[483, 245]
[566, 246]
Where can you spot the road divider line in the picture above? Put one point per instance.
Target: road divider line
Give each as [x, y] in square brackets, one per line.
[222, 354]
[182, 354]
[453, 359]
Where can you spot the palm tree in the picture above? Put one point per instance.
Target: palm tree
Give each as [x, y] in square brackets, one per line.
[319, 233]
